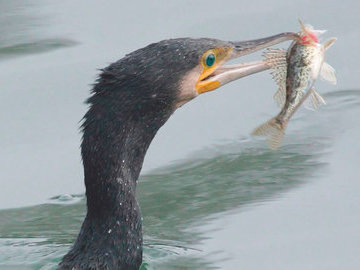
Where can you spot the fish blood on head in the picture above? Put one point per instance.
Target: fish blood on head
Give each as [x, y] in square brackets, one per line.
[295, 71]
[308, 35]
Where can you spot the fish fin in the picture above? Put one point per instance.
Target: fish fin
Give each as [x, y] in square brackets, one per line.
[316, 100]
[327, 44]
[276, 60]
[279, 75]
[280, 96]
[327, 72]
[275, 57]
[319, 32]
[304, 27]
[274, 132]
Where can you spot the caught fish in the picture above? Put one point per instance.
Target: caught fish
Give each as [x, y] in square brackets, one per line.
[295, 71]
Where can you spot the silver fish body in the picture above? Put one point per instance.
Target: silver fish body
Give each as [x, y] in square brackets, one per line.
[295, 71]
[304, 64]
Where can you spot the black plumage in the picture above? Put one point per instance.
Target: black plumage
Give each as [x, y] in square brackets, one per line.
[130, 101]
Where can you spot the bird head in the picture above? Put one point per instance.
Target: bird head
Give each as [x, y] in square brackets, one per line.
[165, 75]
[209, 69]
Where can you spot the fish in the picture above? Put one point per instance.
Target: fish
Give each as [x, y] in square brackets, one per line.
[295, 71]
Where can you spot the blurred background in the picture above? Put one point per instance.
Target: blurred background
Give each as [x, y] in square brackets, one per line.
[212, 197]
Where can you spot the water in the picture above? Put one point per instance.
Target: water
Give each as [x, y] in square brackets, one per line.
[211, 196]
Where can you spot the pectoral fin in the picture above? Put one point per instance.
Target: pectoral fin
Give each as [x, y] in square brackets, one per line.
[327, 44]
[328, 73]
[315, 101]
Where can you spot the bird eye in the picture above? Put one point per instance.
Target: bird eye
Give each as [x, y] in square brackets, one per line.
[210, 59]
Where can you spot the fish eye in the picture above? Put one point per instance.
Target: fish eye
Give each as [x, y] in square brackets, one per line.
[210, 59]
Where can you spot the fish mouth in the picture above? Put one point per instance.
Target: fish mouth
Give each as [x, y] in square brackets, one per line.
[224, 74]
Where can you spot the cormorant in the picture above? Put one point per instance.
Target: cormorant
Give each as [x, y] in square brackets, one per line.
[130, 101]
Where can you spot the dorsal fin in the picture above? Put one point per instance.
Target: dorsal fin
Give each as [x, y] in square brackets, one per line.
[276, 59]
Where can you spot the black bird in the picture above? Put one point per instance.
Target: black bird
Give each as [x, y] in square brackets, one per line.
[130, 101]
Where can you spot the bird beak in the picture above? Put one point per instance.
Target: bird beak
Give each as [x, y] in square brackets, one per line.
[224, 74]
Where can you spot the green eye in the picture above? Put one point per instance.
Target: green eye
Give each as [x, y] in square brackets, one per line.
[210, 60]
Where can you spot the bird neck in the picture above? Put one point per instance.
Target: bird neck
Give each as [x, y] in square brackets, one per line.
[113, 151]
[113, 148]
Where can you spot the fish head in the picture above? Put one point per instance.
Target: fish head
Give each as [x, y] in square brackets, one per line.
[308, 35]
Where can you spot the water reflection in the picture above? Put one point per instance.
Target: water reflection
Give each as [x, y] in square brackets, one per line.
[18, 21]
[39, 46]
[174, 200]
[23, 30]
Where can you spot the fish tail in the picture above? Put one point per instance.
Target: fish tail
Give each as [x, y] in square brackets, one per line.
[273, 130]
